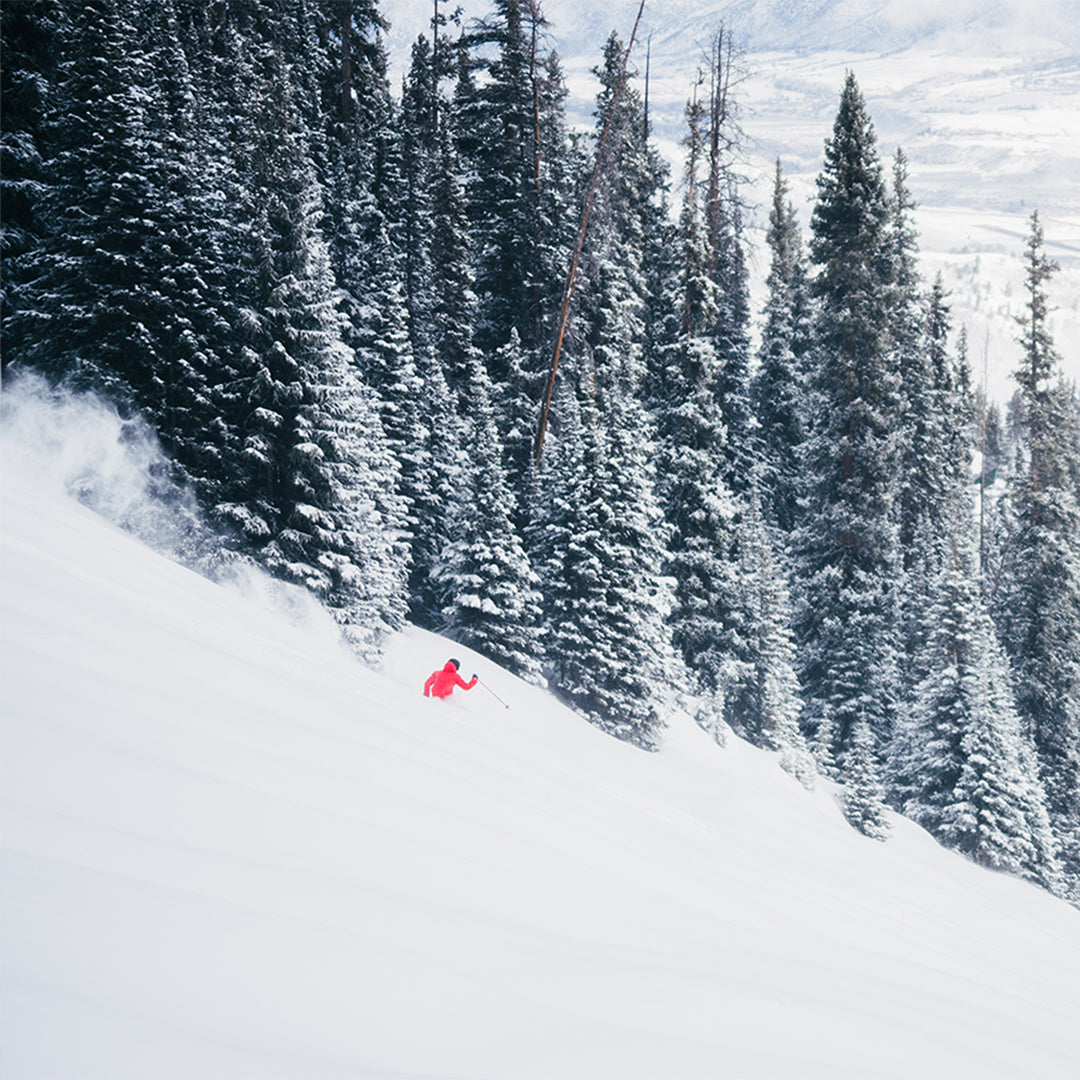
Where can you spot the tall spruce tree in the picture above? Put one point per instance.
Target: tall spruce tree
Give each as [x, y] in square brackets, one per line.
[608, 645]
[317, 495]
[509, 162]
[966, 771]
[864, 796]
[723, 212]
[491, 602]
[419, 113]
[456, 302]
[960, 764]
[691, 464]
[447, 367]
[121, 295]
[913, 363]
[732, 337]
[779, 392]
[445, 457]
[848, 558]
[765, 707]
[1038, 606]
[938, 435]
[597, 540]
[86, 288]
[33, 36]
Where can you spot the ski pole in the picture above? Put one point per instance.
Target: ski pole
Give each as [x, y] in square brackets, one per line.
[492, 692]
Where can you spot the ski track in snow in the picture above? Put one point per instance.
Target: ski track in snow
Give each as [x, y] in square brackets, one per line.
[232, 851]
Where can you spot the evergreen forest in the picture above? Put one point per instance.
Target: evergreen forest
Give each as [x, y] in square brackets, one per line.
[341, 305]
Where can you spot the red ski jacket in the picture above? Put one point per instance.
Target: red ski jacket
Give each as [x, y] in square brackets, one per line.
[442, 683]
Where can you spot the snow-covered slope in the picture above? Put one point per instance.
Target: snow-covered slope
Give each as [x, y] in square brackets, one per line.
[231, 851]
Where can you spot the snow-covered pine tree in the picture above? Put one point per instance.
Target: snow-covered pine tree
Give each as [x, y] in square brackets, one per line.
[356, 89]
[934, 425]
[960, 764]
[919, 427]
[317, 496]
[510, 133]
[456, 302]
[600, 536]
[597, 541]
[723, 213]
[963, 769]
[732, 335]
[419, 113]
[357, 122]
[503, 182]
[32, 40]
[366, 226]
[647, 674]
[80, 315]
[764, 707]
[516, 399]
[378, 331]
[445, 459]
[779, 394]
[445, 367]
[698, 506]
[120, 298]
[369, 271]
[490, 596]
[1038, 603]
[938, 423]
[188, 317]
[606, 599]
[864, 799]
[598, 533]
[848, 560]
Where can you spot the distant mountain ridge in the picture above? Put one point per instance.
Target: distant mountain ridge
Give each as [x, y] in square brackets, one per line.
[802, 26]
[826, 25]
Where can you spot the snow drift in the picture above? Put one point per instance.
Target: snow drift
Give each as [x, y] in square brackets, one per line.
[231, 851]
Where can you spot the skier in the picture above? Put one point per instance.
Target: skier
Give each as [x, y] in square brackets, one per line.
[442, 683]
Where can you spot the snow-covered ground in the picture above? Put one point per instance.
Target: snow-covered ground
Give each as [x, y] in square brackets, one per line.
[983, 96]
[232, 851]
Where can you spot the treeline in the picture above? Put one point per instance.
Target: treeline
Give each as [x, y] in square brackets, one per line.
[338, 305]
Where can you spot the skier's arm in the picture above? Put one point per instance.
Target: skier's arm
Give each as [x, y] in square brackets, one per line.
[466, 685]
[429, 684]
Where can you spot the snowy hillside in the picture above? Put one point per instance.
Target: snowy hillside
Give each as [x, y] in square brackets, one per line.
[231, 851]
[983, 97]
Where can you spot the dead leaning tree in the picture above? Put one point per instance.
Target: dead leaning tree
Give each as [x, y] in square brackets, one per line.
[568, 292]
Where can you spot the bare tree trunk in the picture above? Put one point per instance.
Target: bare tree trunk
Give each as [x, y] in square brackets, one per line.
[982, 475]
[648, 61]
[568, 292]
[721, 64]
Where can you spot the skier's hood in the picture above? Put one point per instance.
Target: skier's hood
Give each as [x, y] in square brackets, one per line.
[451, 665]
